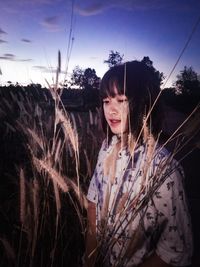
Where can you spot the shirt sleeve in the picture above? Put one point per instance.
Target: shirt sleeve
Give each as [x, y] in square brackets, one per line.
[175, 245]
[92, 194]
[92, 191]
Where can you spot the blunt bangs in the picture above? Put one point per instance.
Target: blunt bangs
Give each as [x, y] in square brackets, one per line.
[113, 82]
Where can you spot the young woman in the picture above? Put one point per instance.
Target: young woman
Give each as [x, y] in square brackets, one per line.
[137, 209]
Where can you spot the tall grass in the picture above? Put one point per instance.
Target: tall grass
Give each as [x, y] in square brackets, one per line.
[60, 154]
[52, 179]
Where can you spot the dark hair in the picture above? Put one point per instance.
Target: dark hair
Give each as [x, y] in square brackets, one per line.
[141, 84]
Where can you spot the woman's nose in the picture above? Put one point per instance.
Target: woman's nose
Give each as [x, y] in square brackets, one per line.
[113, 109]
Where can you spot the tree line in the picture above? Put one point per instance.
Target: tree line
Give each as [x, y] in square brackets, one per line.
[183, 95]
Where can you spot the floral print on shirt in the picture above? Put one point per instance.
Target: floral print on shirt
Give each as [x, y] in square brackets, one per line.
[138, 223]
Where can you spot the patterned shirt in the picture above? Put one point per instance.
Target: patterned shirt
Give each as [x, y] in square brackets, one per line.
[142, 210]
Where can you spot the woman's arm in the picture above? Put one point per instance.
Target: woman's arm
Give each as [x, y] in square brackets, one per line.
[154, 261]
[91, 242]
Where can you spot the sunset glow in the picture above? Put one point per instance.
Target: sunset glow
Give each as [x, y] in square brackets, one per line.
[32, 32]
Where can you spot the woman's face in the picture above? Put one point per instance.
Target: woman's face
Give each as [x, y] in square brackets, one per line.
[116, 110]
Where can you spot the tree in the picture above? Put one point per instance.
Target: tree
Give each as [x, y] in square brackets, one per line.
[90, 79]
[114, 58]
[187, 82]
[84, 78]
[77, 77]
[149, 63]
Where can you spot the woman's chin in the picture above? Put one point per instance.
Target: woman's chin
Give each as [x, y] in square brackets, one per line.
[118, 132]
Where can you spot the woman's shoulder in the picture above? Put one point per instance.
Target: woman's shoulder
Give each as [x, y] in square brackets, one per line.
[166, 164]
[163, 154]
[108, 144]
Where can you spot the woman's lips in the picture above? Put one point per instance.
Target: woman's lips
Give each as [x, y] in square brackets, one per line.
[114, 123]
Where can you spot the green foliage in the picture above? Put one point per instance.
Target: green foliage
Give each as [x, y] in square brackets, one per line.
[183, 103]
[80, 100]
[114, 58]
[84, 78]
[149, 63]
[187, 82]
[185, 96]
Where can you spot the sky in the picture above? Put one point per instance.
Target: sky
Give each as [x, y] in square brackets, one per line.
[85, 31]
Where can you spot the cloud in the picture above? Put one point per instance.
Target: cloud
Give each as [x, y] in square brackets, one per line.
[144, 4]
[42, 2]
[91, 8]
[39, 2]
[47, 70]
[26, 40]
[41, 68]
[2, 41]
[12, 57]
[7, 58]
[14, 3]
[9, 55]
[25, 60]
[51, 23]
[93, 58]
[2, 31]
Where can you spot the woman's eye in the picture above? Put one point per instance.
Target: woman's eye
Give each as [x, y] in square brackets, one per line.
[122, 100]
[106, 101]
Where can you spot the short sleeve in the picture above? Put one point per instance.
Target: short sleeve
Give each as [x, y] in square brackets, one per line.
[175, 245]
[92, 194]
[92, 191]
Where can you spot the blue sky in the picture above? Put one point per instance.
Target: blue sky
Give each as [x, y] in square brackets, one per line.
[32, 32]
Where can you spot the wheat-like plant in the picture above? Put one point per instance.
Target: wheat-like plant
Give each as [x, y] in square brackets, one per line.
[51, 181]
[60, 146]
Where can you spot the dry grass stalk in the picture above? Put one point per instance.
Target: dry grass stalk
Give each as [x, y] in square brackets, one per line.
[42, 165]
[89, 169]
[67, 128]
[36, 199]
[70, 135]
[78, 193]
[14, 97]
[109, 167]
[58, 150]
[11, 255]
[57, 198]
[9, 106]
[10, 127]
[22, 196]
[150, 154]
[33, 135]
[91, 118]
[72, 117]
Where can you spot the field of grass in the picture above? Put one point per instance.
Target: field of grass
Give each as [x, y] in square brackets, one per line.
[47, 159]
